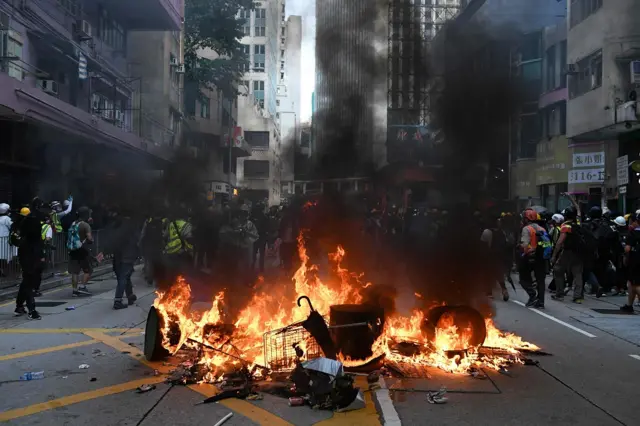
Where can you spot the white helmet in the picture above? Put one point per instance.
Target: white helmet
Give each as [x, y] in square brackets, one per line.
[620, 221]
[557, 218]
[4, 208]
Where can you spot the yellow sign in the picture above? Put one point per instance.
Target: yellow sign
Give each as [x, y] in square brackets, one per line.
[552, 161]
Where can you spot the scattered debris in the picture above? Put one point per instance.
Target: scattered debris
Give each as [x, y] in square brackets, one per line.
[357, 404]
[156, 373]
[437, 397]
[145, 388]
[125, 352]
[255, 397]
[477, 373]
[317, 327]
[504, 371]
[93, 379]
[33, 375]
[296, 401]
[70, 308]
[65, 377]
[224, 419]
[83, 366]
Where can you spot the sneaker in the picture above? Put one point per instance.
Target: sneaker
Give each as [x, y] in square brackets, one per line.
[627, 308]
[34, 315]
[600, 293]
[539, 305]
[80, 293]
[20, 311]
[532, 301]
[578, 300]
[119, 305]
[567, 290]
[558, 298]
[132, 299]
[37, 294]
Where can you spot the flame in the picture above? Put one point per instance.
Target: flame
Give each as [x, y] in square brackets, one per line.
[222, 345]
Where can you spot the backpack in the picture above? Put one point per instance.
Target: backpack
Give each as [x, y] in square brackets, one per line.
[73, 240]
[544, 248]
[605, 235]
[583, 242]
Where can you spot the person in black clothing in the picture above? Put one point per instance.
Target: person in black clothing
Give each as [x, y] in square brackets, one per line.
[123, 239]
[261, 221]
[31, 255]
[632, 260]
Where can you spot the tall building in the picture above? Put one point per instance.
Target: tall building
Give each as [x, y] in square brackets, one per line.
[602, 113]
[350, 121]
[289, 98]
[259, 175]
[70, 104]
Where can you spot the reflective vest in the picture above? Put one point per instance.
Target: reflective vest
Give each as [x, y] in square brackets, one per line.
[174, 242]
[44, 230]
[55, 221]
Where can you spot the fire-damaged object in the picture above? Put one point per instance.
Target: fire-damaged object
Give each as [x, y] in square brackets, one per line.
[317, 327]
[463, 318]
[153, 349]
[324, 384]
[437, 397]
[356, 345]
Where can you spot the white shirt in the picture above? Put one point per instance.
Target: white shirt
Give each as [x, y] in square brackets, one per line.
[5, 226]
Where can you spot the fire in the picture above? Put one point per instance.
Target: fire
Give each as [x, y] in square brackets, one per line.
[224, 342]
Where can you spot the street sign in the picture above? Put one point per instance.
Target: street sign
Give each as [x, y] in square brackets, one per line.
[622, 190]
[588, 159]
[622, 170]
[586, 176]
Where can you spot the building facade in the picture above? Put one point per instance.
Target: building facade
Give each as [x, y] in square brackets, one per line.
[69, 102]
[602, 111]
[259, 175]
[288, 102]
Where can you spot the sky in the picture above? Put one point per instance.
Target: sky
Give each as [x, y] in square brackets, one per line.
[306, 9]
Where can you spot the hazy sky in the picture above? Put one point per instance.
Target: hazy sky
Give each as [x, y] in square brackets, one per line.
[306, 9]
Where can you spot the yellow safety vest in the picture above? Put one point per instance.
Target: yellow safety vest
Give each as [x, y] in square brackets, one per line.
[44, 230]
[174, 242]
[55, 221]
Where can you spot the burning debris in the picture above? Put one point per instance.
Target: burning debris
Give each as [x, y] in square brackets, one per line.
[275, 338]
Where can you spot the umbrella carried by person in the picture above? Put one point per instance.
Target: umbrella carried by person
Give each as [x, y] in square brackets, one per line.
[539, 209]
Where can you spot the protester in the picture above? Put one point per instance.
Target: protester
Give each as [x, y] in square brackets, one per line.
[79, 240]
[124, 235]
[632, 251]
[177, 253]
[567, 257]
[261, 221]
[532, 258]
[7, 252]
[151, 244]
[500, 255]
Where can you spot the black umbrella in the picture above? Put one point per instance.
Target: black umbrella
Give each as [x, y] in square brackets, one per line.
[317, 327]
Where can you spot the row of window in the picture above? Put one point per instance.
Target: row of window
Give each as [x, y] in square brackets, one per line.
[582, 9]
[111, 32]
[587, 75]
[259, 13]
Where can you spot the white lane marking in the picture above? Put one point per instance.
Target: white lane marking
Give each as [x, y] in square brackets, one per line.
[552, 318]
[389, 413]
[635, 356]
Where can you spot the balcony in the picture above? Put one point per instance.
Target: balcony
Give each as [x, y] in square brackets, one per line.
[155, 15]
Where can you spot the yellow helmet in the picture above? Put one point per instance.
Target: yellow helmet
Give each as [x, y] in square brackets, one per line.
[25, 211]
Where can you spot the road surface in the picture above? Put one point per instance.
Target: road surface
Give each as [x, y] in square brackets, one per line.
[591, 379]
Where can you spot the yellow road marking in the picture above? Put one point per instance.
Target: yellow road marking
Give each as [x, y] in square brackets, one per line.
[47, 350]
[62, 330]
[253, 412]
[79, 397]
[365, 416]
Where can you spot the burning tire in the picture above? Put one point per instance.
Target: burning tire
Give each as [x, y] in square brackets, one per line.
[153, 349]
[469, 324]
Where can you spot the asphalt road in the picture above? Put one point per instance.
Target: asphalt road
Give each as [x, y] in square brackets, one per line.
[591, 379]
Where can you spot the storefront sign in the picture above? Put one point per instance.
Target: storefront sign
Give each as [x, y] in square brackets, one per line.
[588, 159]
[586, 175]
[622, 171]
[552, 161]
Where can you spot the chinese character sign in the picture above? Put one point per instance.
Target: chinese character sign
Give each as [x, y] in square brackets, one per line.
[588, 159]
[586, 176]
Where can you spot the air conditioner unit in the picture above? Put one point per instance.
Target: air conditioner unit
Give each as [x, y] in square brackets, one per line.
[84, 29]
[48, 86]
[180, 69]
[174, 62]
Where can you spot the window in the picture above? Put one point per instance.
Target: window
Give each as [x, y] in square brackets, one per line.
[281, 76]
[258, 49]
[257, 139]
[582, 9]
[555, 120]
[258, 85]
[588, 76]
[277, 102]
[258, 66]
[111, 32]
[282, 53]
[14, 50]
[259, 31]
[205, 107]
[245, 14]
[261, 103]
[283, 7]
[256, 169]
[282, 31]
[246, 49]
[261, 13]
[246, 30]
[550, 64]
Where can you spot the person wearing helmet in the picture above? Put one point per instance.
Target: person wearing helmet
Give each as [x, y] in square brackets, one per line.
[599, 272]
[567, 257]
[7, 252]
[531, 260]
[632, 260]
[620, 285]
[57, 213]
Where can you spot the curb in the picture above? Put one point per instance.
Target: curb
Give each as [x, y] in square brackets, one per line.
[12, 293]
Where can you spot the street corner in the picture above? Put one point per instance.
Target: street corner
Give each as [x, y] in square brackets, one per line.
[79, 370]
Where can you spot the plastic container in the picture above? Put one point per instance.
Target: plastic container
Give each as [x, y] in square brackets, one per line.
[296, 401]
[33, 375]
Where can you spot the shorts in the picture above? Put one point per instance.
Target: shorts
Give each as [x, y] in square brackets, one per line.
[79, 261]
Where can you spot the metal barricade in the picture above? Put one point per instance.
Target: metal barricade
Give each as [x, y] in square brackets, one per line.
[9, 265]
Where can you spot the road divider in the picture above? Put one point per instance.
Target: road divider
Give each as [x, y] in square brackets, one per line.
[554, 319]
[635, 356]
